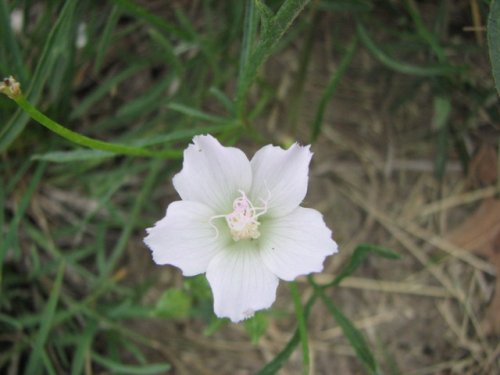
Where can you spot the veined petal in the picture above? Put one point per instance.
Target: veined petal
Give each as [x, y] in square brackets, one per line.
[185, 237]
[296, 244]
[280, 177]
[212, 174]
[240, 282]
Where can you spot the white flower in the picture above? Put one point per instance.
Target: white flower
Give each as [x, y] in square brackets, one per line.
[240, 222]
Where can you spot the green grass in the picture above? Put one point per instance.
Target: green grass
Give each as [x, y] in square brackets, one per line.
[76, 195]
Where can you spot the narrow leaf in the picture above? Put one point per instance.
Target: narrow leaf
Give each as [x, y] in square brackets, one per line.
[279, 24]
[53, 48]
[36, 356]
[299, 313]
[138, 11]
[195, 113]
[352, 334]
[442, 110]
[73, 155]
[277, 362]
[83, 348]
[120, 368]
[358, 256]
[330, 89]
[402, 67]
[105, 38]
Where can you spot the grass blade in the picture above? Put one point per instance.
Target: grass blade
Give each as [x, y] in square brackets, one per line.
[34, 366]
[249, 34]
[73, 156]
[422, 30]
[352, 334]
[55, 45]
[358, 256]
[442, 110]
[104, 88]
[277, 27]
[402, 67]
[277, 362]
[83, 348]
[197, 114]
[299, 313]
[121, 244]
[120, 368]
[330, 89]
[140, 12]
[10, 242]
[105, 38]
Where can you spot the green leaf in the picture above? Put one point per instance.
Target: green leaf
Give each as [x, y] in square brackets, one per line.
[105, 38]
[120, 368]
[425, 34]
[56, 45]
[330, 89]
[352, 334]
[73, 155]
[13, 322]
[105, 86]
[37, 353]
[140, 12]
[265, 14]
[195, 113]
[223, 99]
[402, 67]
[249, 34]
[494, 41]
[174, 303]
[9, 242]
[83, 348]
[148, 183]
[277, 362]
[277, 27]
[358, 256]
[214, 325]
[256, 326]
[442, 110]
[299, 313]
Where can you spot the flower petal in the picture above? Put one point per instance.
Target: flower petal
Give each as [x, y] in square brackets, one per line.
[296, 244]
[185, 238]
[280, 176]
[241, 283]
[212, 174]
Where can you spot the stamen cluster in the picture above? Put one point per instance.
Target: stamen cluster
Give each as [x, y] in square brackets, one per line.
[242, 221]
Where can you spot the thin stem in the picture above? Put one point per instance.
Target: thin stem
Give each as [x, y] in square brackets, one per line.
[299, 312]
[85, 141]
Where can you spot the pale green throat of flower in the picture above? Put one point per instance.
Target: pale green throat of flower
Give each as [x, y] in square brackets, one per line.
[243, 221]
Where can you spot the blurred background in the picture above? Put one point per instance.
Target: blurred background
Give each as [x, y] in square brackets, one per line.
[399, 103]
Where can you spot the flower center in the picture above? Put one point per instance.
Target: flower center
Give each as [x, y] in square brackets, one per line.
[242, 222]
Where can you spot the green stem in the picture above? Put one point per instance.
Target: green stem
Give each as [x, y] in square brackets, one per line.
[85, 141]
[299, 312]
[273, 29]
